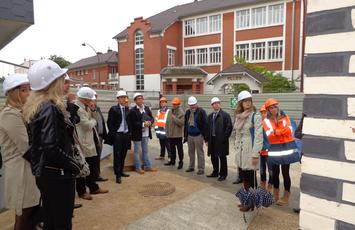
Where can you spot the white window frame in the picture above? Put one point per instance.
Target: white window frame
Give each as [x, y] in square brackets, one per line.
[243, 52]
[276, 18]
[197, 55]
[258, 53]
[195, 26]
[242, 19]
[267, 17]
[267, 49]
[202, 25]
[138, 38]
[171, 57]
[215, 57]
[258, 16]
[275, 52]
[139, 69]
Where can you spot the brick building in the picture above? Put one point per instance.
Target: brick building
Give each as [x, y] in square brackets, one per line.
[98, 72]
[202, 37]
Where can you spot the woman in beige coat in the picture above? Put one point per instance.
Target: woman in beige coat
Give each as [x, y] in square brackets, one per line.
[247, 145]
[21, 192]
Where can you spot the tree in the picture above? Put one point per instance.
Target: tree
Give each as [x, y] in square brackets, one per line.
[237, 88]
[61, 61]
[277, 82]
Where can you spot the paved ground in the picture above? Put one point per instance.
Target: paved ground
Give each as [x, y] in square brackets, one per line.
[197, 203]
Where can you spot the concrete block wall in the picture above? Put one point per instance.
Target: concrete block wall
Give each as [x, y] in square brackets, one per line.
[328, 169]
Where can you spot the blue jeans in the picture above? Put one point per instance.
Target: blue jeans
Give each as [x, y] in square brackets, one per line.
[144, 145]
[263, 164]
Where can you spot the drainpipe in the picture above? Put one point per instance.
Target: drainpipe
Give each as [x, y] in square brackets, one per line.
[303, 42]
[293, 38]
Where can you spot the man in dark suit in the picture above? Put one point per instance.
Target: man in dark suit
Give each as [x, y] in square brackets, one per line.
[219, 130]
[119, 134]
[141, 121]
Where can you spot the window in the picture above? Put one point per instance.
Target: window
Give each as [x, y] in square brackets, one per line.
[86, 72]
[189, 57]
[215, 23]
[201, 25]
[190, 27]
[243, 19]
[94, 75]
[139, 56]
[258, 16]
[276, 14]
[202, 56]
[215, 55]
[171, 57]
[258, 51]
[113, 70]
[275, 49]
[242, 51]
[139, 37]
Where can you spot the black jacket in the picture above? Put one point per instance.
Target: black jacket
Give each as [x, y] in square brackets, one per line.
[51, 142]
[201, 122]
[114, 121]
[99, 113]
[73, 111]
[136, 118]
[223, 130]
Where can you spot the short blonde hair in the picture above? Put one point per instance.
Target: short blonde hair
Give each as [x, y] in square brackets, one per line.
[54, 93]
[13, 98]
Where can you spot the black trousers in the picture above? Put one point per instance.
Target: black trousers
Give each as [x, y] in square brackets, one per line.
[98, 151]
[176, 143]
[164, 145]
[219, 162]
[249, 178]
[28, 219]
[285, 174]
[89, 181]
[120, 148]
[58, 194]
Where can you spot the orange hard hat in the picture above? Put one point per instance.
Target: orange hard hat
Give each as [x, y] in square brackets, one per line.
[163, 99]
[270, 102]
[176, 101]
[262, 109]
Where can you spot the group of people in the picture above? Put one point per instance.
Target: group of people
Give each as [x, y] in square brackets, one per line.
[51, 142]
[259, 135]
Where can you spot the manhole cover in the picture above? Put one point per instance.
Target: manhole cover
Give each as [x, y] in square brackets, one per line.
[157, 189]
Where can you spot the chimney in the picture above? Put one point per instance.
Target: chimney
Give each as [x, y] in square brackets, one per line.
[109, 50]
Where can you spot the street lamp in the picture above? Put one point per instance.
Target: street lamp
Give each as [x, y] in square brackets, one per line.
[98, 57]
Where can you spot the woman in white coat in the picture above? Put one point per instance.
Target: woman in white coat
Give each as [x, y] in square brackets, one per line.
[21, 192]
[248, 140]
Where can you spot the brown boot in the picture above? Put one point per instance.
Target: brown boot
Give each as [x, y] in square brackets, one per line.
[276, 194]
[263, 184]
[269, 187]
[284, 200]
[99, 191]
[245, 209]
[86, 196]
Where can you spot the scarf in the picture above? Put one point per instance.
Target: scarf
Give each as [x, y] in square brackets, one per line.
[240, 119]
[192, 118]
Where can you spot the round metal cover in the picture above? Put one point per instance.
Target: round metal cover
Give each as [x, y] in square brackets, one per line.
[157, 189]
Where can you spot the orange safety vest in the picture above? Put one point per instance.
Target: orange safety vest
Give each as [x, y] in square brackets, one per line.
[160, 122]
[279, 133]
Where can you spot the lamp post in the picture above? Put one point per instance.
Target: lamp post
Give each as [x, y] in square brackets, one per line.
[98, 58]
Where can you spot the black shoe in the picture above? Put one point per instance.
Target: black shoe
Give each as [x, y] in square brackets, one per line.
[125, 175]
[212, 175]
[221, 178]
[77, 206]
[169, 163]
[118, 180]
[181, 164]
[190, 170]
[238, 181]
[100, 179]
[296, 210]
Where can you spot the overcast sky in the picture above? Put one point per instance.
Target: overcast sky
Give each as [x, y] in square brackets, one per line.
[61, 26]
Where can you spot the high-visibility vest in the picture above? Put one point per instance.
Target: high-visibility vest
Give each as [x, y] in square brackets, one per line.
[280, 136]
[160, 123]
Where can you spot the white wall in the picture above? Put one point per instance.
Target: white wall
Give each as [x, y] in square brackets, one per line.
[208, 88]
[152, 82]
[217, 89]
[128, 82]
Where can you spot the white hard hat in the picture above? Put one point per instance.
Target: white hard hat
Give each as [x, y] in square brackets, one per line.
[243, 95]
[192, 100]
[94, 97]
[121, 93]
[137, 95]
[43, 73]
[14, 80]
[214, 100]
[85, 93]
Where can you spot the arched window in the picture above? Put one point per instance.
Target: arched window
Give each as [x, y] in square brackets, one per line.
[139, 38]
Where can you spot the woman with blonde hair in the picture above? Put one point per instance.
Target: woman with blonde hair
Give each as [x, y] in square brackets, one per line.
[21, 192]
[248, 140]
[51, 140]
